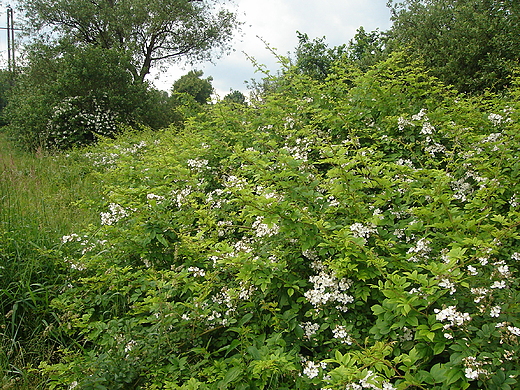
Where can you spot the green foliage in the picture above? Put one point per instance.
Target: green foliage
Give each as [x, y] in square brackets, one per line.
[71, 96]
[193, 85]
[315, 58]
[367, 49]
[235, 97]
[473, 45]
[42, 197]
[5, 88]
[152, 31]
[356, 233]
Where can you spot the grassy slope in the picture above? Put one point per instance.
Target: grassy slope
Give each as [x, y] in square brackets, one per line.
[42, 197]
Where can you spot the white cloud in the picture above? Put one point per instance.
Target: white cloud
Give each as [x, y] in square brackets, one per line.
[276, 22]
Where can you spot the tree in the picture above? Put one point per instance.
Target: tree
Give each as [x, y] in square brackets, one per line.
[367, 49]
[69, 97]
[193, 85]
[471, 44]
[235, 97]
[152, 31]
[315, 58]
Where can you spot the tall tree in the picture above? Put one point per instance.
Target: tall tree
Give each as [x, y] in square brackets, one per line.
[151, 30]
[471, 44]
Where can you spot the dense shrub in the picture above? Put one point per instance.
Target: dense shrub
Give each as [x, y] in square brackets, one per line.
[71, 97]
[357, 233]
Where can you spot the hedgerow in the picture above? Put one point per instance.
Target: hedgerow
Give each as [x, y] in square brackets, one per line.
[360, 232]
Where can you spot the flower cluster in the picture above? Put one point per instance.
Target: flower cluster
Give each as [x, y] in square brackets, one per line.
[311, 369]
[420, 250]
[473, 368]
[370, 381]
[264, 230]
[116, 212]
[362, 231]
[452, 316]
[340, 332]
[329, 289]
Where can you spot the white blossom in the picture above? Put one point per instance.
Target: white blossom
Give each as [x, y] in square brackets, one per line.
[496, 119]
[421, 249]
[362, 231]
[156, 197]
[499, 284]
[452, 316]
[311, 369]
[196, 271]
[472, 270]
[262, 229]
[495, 311]
[310, 328]
[115, 213]
[340, 332]
[448, 284]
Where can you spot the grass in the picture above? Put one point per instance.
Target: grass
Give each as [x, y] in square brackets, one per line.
[42, 197]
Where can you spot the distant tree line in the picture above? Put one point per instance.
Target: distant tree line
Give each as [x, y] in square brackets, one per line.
[84, 72]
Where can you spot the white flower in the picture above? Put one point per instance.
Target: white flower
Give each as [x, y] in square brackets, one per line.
[130, 345]
[310, 328]
[311, 369]
[427, 128]
[420, 115]
[340, 332]
[472, 270]
[495, 311]
[197, 164]
[361, 231]
[514, 330]
[115, 213]
[504, 270]
[153, 196]
[451, 315]
[263, 229]
[421, 249]
[496, 119]
[328, 289]
[499, 284]
[70, 238]
[388, 386]
[446, 283]
[480, 293]
[515, 256]
[470, 373]
[197, 271]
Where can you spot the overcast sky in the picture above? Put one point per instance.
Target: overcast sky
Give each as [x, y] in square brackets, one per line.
[276, 22]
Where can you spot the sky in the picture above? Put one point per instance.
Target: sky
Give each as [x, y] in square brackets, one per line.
[274, 22]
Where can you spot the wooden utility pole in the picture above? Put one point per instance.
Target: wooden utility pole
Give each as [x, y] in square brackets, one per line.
[10, 40]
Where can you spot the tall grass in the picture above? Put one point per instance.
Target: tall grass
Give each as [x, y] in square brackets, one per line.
[42, 197]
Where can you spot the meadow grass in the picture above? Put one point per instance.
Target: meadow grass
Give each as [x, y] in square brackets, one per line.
[43, 196]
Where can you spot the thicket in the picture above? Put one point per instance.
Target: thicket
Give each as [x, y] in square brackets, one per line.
[355, 225]
[360, 232]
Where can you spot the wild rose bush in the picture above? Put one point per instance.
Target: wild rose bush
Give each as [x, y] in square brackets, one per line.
[358, 233]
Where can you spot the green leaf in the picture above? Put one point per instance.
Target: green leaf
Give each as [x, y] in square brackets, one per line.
[230, 376]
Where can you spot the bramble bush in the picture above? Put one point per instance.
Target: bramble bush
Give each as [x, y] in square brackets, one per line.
[356, 233]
